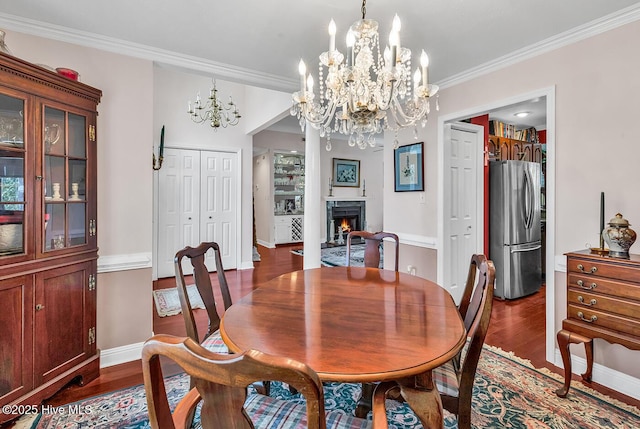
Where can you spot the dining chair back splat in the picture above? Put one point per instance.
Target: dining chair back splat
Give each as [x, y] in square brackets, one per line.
[373, 241]
[472, 276]
[221, 384]
[202, 280]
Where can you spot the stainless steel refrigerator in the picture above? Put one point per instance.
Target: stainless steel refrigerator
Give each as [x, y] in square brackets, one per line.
[514, 227]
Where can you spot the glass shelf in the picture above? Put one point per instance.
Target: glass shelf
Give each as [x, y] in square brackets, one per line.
[288, 184]
[65, 174]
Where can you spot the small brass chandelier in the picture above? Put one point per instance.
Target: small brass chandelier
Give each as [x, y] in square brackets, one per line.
[366, 92]
[214, 111]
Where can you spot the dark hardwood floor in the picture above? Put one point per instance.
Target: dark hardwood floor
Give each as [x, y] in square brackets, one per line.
[517, 326]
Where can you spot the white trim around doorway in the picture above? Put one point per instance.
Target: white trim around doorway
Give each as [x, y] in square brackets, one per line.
[550, 262]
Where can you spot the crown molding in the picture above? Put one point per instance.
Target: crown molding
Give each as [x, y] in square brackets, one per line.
[251, 77]
[161, 57]
[590, 29]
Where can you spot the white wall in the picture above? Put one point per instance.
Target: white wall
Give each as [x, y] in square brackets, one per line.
[372, 162]
[172, 91]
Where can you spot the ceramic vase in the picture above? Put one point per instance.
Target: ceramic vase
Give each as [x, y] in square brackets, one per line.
[619, 237]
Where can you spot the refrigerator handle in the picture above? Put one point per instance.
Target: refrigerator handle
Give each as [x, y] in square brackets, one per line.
[526, 250]
[528, 200]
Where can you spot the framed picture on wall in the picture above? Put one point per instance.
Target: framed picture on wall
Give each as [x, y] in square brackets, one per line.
[408, 166]
[346, 172]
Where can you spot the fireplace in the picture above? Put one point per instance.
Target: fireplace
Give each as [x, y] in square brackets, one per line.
[346, 216]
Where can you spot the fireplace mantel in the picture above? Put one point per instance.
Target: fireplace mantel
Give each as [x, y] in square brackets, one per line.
[345, 198]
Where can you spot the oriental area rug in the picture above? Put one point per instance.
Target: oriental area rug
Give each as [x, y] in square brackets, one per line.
[336, 256]
[508, 393]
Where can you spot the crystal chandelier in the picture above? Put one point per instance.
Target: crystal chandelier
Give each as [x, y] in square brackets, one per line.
[214, 111]
[366, 92]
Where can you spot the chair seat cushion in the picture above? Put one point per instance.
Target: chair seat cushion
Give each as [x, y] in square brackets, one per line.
[446, 379]
[215, 343]
[270, 413]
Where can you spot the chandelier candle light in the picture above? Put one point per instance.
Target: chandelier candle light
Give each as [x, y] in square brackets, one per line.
[367, 92]
[214, 111]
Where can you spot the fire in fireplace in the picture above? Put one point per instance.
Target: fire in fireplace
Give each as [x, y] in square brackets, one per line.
[343, 217]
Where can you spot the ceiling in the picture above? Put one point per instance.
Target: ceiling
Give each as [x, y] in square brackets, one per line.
[255, 41]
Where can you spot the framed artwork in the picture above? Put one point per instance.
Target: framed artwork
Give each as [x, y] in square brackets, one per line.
[346, 172]
[408, 165]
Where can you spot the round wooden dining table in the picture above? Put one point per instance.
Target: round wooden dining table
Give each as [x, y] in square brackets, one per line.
[349, 324]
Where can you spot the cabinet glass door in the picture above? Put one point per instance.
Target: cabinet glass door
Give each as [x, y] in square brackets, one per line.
[12, 195]
[65, 174]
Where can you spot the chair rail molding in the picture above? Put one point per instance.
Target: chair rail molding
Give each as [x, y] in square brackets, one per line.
[418, 240]
[124, 262]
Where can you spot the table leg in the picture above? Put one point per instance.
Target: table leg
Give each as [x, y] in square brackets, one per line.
[364, 403]
[565, 339]
[424, 399]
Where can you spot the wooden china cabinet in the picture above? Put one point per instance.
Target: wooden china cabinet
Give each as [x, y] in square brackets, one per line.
[48, 242]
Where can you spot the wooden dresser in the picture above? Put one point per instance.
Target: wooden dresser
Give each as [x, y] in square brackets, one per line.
[603, 301]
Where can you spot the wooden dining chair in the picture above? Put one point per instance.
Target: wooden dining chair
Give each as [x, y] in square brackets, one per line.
[454, 380]
[211, 339]
[373, 241]
[221, 382]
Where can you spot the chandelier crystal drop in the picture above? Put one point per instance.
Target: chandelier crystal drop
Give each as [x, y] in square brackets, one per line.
[363, 93]
[214, 111]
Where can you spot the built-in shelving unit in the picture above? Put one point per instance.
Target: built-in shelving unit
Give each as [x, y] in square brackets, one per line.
[288, 197]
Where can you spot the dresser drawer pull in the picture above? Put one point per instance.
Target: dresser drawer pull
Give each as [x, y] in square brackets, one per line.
[581, 316]
[591, 286]
[592, 270]
[592, 302]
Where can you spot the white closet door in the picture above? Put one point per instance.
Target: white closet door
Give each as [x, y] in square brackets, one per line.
[196, 203]
[218, 193]
[179, 206]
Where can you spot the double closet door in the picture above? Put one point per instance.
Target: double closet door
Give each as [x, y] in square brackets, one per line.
[197, 193]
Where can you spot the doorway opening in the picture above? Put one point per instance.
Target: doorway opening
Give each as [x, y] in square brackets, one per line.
[547, 98]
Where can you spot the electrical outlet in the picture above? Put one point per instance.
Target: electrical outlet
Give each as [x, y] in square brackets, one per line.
[411, 270]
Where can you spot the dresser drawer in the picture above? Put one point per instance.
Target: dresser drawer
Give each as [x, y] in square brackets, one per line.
[594, 318]
[592, 301]
[603, 269]
[604, 286]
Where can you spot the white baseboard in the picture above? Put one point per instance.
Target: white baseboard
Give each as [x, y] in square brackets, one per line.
[616, 380]
[245, 265]
[266, 244]
[118, 355]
